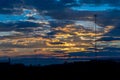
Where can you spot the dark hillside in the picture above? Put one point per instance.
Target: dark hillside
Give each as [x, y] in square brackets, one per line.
[74, 71]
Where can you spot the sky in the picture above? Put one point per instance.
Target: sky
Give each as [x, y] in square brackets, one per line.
[59, 30]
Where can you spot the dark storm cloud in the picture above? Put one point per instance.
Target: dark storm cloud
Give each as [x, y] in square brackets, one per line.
[6, 6]
[17, 26]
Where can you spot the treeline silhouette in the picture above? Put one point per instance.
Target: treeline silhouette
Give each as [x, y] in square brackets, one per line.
[66, 71]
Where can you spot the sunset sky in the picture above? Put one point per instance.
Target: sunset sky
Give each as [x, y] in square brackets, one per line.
[59, 30]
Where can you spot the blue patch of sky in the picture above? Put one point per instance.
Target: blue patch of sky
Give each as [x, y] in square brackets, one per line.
[9, 18]
[91, 7]
[77, 1]
[23, 17]
[58, 0]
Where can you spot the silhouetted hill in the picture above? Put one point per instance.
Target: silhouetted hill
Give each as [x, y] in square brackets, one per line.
[66, 71]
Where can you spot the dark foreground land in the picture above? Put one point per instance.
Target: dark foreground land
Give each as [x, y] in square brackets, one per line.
[67, 71]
